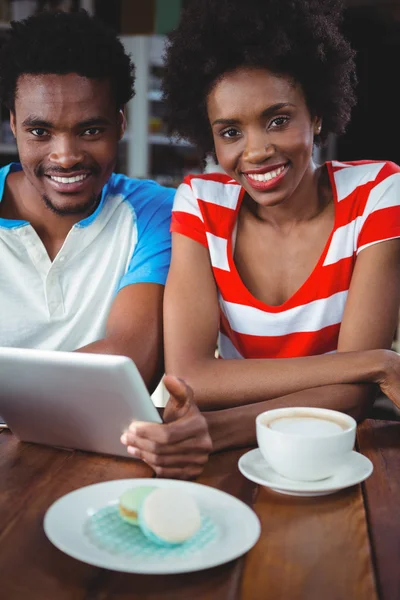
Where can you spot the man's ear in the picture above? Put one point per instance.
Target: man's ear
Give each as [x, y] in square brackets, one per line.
[13, 123]
[121, 122]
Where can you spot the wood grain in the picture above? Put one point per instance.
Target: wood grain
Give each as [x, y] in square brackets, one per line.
[309, 549]
[380, 441]
[36, 476]
[314, 549]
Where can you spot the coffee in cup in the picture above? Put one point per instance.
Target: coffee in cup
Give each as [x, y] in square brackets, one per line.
[305, 444]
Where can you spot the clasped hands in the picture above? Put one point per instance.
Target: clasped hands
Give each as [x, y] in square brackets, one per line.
[179, 447]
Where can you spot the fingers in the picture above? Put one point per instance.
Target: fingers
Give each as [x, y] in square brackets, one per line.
[178, 388]
[180, 400]
[170, 460]
[392, 393]
[179, 461]
[188, 472]
[202, 443]
[188, 427]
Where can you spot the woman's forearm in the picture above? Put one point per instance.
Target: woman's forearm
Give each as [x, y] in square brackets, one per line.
[235, 427]
[220, 384]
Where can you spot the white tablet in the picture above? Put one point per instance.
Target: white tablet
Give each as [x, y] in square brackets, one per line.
[72, 399]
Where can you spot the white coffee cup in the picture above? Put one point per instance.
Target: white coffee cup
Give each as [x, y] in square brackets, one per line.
[305, 444]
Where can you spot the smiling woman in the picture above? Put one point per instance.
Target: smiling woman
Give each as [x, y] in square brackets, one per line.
[275, 258]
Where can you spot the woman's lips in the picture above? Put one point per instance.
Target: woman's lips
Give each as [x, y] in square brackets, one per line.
[266, 181]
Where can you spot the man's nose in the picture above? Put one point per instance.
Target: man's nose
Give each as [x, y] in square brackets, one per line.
[65, 152]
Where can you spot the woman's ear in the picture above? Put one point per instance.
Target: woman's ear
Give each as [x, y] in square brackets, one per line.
[317, 126]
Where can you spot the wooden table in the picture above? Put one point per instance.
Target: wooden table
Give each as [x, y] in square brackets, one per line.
[340, 547]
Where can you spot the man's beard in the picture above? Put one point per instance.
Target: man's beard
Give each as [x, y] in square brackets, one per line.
[85, 208]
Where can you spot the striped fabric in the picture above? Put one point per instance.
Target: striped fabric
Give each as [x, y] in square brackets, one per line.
[367, 211]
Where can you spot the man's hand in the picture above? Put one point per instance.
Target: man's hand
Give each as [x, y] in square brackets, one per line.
[178, 448]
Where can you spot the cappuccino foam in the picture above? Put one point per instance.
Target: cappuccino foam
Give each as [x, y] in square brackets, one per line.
[307, 426]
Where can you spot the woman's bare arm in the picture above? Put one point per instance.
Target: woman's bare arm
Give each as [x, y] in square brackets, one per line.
[236, 427]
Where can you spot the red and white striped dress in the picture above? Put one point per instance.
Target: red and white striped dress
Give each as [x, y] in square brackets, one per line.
[367, 211]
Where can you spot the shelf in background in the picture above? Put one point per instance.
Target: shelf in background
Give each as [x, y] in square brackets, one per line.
[160, 139]
[155, 95]
[147, 149]
[164, 140]
[8, 148]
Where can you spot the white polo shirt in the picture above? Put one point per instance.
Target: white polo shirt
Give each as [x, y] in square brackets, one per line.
[64, 304]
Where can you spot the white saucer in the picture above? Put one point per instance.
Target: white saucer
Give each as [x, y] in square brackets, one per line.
[253, 466]
[237, 528]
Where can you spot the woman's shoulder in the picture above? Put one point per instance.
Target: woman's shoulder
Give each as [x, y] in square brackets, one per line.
[348, 177]
[355, 168]
[212, 188]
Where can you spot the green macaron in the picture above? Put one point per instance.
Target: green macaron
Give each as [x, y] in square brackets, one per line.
[130, 502]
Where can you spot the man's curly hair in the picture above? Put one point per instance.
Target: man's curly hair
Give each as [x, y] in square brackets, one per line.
[61, 43]
[296, 38]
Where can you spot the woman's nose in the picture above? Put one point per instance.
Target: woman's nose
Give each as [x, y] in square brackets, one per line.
[258, 148]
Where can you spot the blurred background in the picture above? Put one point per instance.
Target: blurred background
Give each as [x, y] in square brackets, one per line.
[373, 26]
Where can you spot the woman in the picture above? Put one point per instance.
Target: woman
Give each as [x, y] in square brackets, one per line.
[281, 258]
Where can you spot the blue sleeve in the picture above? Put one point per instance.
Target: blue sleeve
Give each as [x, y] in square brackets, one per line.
[152, 206]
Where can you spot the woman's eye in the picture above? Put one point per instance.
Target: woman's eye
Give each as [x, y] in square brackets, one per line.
[38, 132]
[229, 133]
[279, 121]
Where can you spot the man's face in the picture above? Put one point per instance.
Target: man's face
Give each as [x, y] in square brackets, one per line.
[67, 129]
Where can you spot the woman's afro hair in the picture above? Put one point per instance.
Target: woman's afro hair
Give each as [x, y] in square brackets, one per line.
[296, 38]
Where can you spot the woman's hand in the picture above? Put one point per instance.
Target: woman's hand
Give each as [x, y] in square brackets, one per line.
[179, 447]
[389, 381]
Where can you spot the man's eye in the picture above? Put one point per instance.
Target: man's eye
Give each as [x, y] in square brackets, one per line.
[38, 132]
[92, 131]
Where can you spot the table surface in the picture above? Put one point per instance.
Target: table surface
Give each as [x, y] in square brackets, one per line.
[344, 546]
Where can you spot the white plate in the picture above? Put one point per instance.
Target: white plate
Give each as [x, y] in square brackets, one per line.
[237, 528]
[253, 466]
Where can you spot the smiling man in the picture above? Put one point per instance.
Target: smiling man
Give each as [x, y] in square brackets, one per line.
[84, 253]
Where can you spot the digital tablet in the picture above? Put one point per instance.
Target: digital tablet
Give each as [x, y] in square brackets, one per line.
[72, 399]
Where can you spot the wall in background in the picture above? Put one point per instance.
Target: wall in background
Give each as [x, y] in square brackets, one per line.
[374, 30]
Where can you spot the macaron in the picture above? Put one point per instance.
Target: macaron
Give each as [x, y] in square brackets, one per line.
[130, 501]
[169, 516]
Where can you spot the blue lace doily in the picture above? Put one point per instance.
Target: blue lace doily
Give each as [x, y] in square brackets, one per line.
[106, 530]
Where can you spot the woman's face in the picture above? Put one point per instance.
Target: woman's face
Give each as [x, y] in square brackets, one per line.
[263, 133]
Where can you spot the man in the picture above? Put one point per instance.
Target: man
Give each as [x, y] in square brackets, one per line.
[84, 252]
